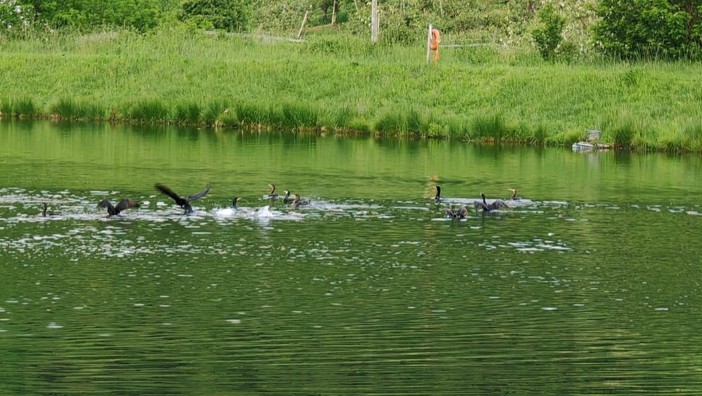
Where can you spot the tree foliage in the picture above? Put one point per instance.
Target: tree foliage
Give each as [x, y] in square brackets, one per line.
[668, 29]
[13, 15]
[649, 28]
[85, 15]
[229, 15]
[549, 36]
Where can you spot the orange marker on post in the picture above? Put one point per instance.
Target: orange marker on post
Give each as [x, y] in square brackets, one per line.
[435, 39]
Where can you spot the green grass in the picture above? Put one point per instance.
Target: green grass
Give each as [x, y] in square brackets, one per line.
[692, 136]
[216, 112]
[491, 128]
[76, 109]
[344, 85]
[22, 107]
[187, 113]
[152, 111]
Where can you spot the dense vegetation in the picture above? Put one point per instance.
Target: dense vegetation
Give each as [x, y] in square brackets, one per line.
[519, 71]
[346, 85]
[668, 29]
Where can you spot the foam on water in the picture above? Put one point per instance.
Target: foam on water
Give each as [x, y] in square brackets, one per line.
[83, 230]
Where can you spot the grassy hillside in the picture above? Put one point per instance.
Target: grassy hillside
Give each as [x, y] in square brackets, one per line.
[340, 83]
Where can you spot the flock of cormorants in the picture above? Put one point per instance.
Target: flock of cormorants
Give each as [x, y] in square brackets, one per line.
[184, 202]
[461, 212]
[294, 200]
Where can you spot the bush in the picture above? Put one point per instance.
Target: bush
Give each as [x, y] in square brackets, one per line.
[229, 15]
[549, 37]
[90, 15]
[13, 16]
[648, 29]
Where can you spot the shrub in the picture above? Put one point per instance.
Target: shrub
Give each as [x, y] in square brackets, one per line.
[648, 29]
[549, 36]
[229, 15]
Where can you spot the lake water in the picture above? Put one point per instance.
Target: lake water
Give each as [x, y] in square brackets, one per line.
[588, 285]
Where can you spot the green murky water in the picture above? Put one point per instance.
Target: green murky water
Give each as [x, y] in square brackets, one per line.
[589, 285]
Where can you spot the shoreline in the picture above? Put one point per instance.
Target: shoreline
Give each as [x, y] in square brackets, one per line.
[342, 85]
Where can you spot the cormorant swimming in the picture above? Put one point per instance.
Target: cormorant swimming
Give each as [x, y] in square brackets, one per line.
[514, 196]
[460, 213]
[235, 201]
[46, 212]
[273, 194]
[481, 205]
[286, 198]
[497, 204]
[124, 204]
[297, 202]
[437, 197]
[183, 202]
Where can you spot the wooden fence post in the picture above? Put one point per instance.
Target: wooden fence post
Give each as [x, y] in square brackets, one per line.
[429, 44]
[375, 26]
[302, 27]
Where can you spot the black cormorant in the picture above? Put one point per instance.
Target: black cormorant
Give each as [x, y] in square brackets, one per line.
[297, 202]
[497, 204]
[235, 201]
[514, 196]
[273, 194]
[460, 213]
[183, 202]
[481, 205]
[46, 212]
[124, 204]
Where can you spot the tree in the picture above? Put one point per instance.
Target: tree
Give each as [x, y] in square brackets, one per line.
[87, 15]
[229, 15]
[649, 28]
[13, 15]
[549, 36]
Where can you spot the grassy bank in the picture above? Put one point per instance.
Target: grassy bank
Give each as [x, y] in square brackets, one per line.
[341, 84]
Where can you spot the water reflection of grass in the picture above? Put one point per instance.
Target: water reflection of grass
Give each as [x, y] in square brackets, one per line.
[175, 77]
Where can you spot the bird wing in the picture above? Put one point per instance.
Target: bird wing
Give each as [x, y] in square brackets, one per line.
[126, 203]
[497, 204]
[105, 203]
[165, 190]
[200, 194]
